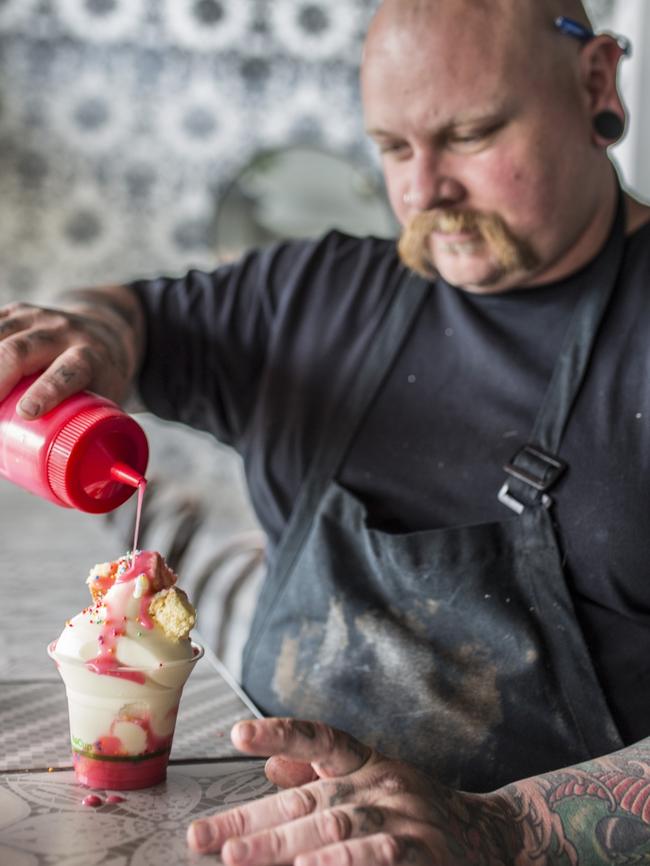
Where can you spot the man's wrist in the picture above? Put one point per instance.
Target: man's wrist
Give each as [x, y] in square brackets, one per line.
[115, 308]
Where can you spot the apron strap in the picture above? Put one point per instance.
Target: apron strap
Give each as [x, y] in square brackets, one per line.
[535, 467]
[384, 347]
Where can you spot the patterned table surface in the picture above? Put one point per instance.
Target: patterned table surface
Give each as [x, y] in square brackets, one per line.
[43, 821]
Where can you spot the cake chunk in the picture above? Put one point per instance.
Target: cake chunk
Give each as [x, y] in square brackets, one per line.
[173, 612]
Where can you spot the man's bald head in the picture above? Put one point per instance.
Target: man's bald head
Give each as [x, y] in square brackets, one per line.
[525, 27]
[533, 11]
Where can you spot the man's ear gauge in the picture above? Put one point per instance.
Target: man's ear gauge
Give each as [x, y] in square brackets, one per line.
[609, 125]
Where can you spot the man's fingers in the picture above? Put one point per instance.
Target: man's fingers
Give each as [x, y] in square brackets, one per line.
[69, 373]
[381, 849]
[324, 830]
[363, 808]
[209, 834]
[14, 365]
[288, 774]
[275, 810]
[330, 752]
[32, 340]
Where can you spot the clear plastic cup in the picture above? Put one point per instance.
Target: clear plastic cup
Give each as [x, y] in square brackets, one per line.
[122, 724]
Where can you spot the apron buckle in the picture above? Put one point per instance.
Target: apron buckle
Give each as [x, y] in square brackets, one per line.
[530, 467]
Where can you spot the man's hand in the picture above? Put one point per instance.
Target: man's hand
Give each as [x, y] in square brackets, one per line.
[353, 806]
[94, 343]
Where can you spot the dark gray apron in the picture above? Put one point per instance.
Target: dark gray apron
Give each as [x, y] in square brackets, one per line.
[457, 648]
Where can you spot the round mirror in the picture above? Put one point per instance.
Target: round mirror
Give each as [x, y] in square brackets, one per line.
[300, 192]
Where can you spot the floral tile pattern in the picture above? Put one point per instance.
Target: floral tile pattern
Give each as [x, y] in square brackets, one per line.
[123, 121]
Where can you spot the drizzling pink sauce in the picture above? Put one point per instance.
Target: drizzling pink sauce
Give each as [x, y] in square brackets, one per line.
[114, 625]
[142, 486]
[113, 799]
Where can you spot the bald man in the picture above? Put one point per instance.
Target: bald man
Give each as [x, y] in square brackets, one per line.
[447, 443]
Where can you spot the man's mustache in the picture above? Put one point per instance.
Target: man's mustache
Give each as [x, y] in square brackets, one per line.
[510, 253]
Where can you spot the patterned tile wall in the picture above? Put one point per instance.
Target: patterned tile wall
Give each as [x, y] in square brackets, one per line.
[123, 121]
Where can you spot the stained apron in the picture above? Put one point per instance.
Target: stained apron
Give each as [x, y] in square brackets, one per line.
[456, 648]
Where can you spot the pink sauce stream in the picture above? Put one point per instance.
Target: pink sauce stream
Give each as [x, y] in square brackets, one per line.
[142, 486]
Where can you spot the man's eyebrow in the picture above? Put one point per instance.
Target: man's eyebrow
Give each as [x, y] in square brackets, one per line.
[487, 119]
[377, 132]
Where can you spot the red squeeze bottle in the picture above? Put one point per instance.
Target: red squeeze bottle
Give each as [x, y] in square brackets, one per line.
[86, 453]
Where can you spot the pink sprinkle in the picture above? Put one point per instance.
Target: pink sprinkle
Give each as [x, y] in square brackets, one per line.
[92, 800]
[114, 798]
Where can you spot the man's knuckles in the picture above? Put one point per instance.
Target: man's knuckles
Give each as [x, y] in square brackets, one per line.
[297, 803]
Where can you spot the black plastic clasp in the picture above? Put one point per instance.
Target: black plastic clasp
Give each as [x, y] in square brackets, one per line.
[530, 467]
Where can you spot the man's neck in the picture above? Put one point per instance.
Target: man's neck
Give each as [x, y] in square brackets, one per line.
[638, 214]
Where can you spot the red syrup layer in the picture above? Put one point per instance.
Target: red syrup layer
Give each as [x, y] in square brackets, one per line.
[120, 775]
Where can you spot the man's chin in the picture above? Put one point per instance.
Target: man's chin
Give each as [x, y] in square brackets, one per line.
[472, 274]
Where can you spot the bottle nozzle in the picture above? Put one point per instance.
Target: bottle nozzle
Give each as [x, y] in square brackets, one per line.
[126, 475]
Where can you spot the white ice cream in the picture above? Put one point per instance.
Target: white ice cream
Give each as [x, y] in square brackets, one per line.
[125, 658]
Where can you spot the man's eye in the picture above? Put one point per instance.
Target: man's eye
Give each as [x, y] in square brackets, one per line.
[471, 140]
[392, 148]
[468, 139]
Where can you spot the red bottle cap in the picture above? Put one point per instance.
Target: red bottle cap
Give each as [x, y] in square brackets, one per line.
[97, 459]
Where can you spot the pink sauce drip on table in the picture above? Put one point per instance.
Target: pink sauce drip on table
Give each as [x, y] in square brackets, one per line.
[92, 800]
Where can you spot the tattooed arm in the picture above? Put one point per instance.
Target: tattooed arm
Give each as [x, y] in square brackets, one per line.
[594, 813]
[347, 804]
[93, 340]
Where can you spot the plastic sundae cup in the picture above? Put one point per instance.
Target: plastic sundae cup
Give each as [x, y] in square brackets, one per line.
[122, 724]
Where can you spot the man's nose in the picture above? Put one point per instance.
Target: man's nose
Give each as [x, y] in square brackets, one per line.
[432, 182]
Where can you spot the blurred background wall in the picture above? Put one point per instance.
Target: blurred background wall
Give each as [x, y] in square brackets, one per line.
[149, 136]
[632, 18]
[123, 122]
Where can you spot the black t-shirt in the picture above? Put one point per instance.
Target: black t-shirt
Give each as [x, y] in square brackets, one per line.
[259, 352]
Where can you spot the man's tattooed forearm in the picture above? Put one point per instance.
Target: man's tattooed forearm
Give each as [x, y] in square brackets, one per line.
[595, 814]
